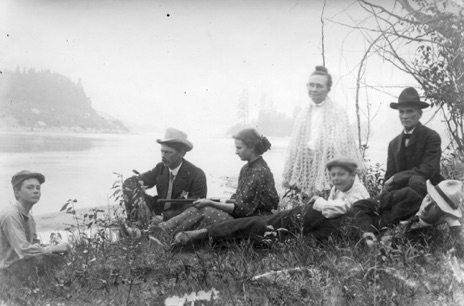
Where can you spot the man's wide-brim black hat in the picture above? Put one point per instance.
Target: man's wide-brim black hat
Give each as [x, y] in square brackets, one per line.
[409, 97]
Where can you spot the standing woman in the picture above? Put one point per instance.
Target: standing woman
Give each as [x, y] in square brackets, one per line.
[321, 133]
[256, 193]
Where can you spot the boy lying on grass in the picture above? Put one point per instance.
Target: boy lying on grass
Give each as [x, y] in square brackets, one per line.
[319, 217]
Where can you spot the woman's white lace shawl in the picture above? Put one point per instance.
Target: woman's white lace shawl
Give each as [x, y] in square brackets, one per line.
[305, 168]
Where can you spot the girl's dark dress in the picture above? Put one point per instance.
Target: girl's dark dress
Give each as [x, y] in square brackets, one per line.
[256, 195]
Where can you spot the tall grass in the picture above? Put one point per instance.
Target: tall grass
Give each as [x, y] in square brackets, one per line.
[147, 270]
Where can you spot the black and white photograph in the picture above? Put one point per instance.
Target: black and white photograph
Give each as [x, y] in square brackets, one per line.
[231, 152]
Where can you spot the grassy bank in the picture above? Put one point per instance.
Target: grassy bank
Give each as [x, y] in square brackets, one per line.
[148, 271]
[302, 271]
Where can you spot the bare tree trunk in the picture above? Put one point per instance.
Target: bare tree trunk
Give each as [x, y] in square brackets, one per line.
[322, 30]
[358, 84]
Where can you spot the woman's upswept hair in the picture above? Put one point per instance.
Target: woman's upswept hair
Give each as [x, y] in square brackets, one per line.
[321, 70]
[252, 139]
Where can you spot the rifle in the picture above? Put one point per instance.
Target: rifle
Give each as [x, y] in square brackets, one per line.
[182, 201]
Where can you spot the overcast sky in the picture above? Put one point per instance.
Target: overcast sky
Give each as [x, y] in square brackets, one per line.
[155, 64]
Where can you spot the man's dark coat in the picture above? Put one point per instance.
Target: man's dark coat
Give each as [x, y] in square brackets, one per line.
[190, 179]
[421, 157]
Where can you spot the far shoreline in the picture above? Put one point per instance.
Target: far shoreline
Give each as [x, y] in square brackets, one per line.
[67, 131]
[59, 221]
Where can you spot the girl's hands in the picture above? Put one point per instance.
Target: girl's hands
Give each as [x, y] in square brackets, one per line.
[202, 203]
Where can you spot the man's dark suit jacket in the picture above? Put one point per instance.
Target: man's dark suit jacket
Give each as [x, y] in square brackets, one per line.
[189, 179]
[423, 157]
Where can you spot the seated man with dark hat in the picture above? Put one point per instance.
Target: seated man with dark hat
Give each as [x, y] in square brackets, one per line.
[413, 158]
[414, 155]
[18, 237]
[319, 217]
[174, 178]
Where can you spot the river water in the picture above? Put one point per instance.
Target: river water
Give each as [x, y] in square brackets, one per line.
[82, 166]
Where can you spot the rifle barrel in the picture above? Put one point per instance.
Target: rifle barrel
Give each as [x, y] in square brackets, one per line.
[172, 201]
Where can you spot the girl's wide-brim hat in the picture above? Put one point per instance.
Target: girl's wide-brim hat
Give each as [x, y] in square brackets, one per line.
[409, 97]
[176, 136]
[448, 195]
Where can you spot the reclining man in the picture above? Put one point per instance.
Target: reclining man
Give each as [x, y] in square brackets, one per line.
[18, 236]
[440, 205]
[319, 217]
[174, 178]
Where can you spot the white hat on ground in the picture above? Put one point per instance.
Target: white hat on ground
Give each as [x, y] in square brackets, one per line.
[448, 195]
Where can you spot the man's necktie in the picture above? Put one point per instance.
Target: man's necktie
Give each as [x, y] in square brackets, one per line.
[406, 139]
[169, 194]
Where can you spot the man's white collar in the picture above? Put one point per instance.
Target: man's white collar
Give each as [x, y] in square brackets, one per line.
[312, 103]
[410, 132]
[175, 170]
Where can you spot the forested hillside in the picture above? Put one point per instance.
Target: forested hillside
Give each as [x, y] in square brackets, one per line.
[269, 123]
[47, 100]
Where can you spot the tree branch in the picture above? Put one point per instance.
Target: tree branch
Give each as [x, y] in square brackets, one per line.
[322, 30]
